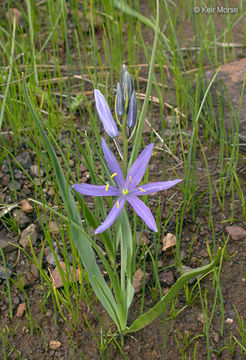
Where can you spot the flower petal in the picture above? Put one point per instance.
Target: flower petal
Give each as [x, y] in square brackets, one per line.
[153, 187]
[143, 211]
[105, 114]
[113, 165]
[138, 168]
[96, 190]
[112, 216]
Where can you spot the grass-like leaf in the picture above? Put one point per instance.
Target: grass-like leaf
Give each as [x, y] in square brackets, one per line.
[162, 305]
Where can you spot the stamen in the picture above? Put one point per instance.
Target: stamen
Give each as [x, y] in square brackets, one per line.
[113, 175]
[117, 204]
[142, 189]
[106, 188]
[130, 178]
[125, 191]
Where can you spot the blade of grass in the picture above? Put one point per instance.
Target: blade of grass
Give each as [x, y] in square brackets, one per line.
[138, 135]
[50, 36]
[122, 6]
[29, 12]
[9, 76]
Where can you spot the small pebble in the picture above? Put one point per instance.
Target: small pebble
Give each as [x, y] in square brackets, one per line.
[21, 310]
[228, 321]
[166, 278]
[236, 232]
[54, 228]
[137, 281]
[55, 345]
[26, 207]
[25, 330]
[29, 232]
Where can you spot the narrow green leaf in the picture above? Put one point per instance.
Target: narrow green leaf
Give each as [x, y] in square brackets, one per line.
[127, 242]
[161, 306]
[129, 293]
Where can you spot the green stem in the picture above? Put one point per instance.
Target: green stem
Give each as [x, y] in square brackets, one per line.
[125, 149]
[124, 138]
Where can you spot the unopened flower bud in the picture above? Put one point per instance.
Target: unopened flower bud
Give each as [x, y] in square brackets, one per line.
[127, 86]
[119, 101]
[105, 115]
[132, 111]
[122, 71]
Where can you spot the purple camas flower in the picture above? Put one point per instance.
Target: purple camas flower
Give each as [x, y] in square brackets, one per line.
[105, 114]
[127, 189]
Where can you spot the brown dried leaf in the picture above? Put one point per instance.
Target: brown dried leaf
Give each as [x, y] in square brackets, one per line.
[168, 241]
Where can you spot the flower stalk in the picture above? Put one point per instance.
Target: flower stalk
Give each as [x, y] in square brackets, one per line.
[125, 146]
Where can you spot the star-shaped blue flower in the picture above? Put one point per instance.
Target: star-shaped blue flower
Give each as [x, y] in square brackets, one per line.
[128, 189]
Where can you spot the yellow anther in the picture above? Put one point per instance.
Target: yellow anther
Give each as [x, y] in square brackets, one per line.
[142, 189]
[106, 188]
[117, 204]
[130, 178]
[113, 175]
